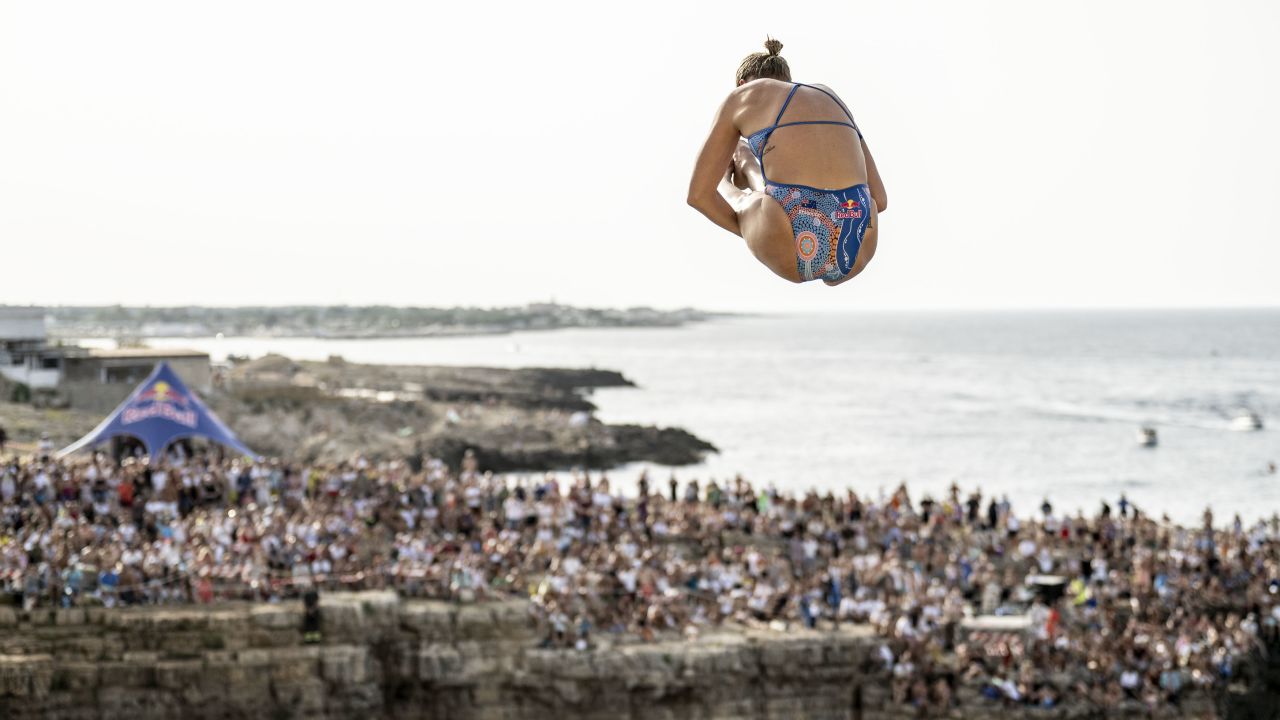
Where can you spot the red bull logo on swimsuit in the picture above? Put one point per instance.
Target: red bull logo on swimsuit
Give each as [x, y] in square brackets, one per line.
[160, 400]
[849, 210]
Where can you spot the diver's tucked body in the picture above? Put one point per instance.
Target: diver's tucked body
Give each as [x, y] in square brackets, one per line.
[786, 167]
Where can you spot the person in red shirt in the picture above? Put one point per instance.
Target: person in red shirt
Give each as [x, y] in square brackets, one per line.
[1051, 625]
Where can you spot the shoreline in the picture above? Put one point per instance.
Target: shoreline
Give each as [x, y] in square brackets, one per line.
[530, 419]
[522, 419]
[343, 322]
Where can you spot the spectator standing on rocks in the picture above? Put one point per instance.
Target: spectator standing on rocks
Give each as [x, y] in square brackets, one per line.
[311, 615]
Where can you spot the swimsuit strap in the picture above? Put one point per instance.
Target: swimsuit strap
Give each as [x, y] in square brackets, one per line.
[769, 130]
[828, 94]
[841, 123]
[794, 88]
[840, 102]
[777, 121]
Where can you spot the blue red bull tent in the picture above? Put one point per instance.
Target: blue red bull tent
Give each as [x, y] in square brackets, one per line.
[159, 411]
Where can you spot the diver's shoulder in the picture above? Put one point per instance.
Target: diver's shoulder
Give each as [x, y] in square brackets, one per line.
[760, 88]
[763, 84]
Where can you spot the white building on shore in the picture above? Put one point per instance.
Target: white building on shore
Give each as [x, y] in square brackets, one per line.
[87, 378]
[25, 354]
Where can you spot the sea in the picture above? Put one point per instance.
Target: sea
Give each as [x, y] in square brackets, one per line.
[1028, 405]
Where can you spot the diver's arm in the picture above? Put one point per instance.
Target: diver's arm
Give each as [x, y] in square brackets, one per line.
[710, 169]
[874, 181]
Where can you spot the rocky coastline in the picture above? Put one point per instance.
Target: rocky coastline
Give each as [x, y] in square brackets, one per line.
[515, 420]
[524, 419]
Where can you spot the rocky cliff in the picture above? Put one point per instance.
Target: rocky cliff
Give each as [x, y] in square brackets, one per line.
[385, 657]
[382, 656]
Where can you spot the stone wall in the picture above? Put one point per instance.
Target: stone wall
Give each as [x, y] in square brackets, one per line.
[382, 656]
[385, 657]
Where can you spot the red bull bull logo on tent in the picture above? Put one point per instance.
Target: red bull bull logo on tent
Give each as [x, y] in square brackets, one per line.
[160, 400]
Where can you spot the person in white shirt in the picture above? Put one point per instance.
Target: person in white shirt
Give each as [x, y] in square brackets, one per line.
[514, 509]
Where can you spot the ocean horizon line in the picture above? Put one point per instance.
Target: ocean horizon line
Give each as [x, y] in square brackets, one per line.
[713, 310]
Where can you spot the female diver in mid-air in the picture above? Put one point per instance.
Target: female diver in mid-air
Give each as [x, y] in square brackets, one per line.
[791, 221]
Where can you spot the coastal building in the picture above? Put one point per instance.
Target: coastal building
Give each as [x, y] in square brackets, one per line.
[100, 379]
[25, 354]
[94, 379]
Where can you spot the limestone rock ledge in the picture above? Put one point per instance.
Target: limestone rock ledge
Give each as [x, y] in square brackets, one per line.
[388, 657]
[382, 656]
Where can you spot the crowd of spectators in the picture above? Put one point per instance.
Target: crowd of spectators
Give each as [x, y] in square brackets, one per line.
[1120, 606]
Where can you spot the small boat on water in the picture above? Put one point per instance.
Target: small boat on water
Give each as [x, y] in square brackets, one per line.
[1147, 437]
[1246, 421]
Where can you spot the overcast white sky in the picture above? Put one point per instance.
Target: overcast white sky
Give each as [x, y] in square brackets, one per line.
[488, 153]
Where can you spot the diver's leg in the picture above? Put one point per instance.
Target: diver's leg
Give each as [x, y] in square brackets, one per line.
[747, 174]
[764, 227]
[736, 196]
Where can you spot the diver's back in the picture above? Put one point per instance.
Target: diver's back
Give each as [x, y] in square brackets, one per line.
[826, 155]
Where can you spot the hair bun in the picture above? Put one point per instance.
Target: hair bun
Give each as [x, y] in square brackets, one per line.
[773, 46]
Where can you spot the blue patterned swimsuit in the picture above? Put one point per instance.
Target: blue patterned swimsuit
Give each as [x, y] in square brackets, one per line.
[828, 225]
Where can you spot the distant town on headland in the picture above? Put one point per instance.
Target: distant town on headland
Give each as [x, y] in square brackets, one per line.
[342, 321]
